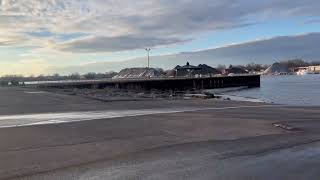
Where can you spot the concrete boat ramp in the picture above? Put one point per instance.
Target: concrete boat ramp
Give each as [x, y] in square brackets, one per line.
[53, 136]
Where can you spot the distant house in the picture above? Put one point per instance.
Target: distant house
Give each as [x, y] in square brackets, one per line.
[200, 70]
[314, 69]
[307, 70]
[235, 70]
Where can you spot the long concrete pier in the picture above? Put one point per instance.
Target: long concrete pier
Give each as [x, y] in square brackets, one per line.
[161, 83]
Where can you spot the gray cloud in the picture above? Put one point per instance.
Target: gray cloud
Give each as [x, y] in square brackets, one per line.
[263, 51]
[186, 16]
[169, 21]
[313, 21]
[12, 40]
[114, 44]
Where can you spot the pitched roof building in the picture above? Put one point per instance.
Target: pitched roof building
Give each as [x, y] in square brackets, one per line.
[190, 70]
[139, 73]
[277, 68]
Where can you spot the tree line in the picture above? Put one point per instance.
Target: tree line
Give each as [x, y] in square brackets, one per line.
[291, 64]
[249, 67]
[16, 79]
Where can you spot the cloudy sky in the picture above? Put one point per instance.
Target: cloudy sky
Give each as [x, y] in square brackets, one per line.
[46, 36]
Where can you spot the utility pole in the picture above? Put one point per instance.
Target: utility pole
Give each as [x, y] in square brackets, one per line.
[148, 51]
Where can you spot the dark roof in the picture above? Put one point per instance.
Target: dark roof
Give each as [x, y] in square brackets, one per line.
[187, 66]
[193, 70]
[205, 69]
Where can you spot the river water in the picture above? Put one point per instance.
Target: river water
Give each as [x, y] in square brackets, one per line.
[291, 90]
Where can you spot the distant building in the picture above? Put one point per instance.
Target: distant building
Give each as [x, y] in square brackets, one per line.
[277, 69]
[139, 73]
[307, 70]
[314, 69]
[200, 70]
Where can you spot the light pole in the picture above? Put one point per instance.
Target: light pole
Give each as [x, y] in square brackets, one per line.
[148, 51]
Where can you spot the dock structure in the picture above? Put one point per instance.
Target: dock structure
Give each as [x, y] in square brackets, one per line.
[160, 83]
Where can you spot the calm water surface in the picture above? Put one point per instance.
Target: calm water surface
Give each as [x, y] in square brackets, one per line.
[291, 90]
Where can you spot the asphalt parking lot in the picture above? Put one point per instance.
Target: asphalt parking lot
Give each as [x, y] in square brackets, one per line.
[53, 136]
